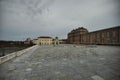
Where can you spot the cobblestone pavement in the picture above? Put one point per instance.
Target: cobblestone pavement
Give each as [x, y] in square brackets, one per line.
[64, 62]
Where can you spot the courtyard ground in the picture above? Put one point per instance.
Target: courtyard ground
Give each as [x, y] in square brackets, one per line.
[64, 62]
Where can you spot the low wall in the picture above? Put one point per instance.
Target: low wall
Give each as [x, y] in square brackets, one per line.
[15, 54]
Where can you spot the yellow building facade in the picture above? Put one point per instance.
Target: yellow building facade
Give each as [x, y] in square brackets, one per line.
[44, 40]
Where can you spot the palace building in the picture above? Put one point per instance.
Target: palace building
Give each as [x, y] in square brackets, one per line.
[110, 36]
[44, 40]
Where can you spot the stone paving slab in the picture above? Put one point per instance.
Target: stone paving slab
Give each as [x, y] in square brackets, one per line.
[64, 62]
[96, 77]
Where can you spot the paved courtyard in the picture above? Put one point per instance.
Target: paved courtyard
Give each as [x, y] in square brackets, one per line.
[64, 62]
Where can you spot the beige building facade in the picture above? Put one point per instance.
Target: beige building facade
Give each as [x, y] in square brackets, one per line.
[34, 41]
[44, 40]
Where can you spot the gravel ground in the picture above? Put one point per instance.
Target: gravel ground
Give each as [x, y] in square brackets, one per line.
[64, 62]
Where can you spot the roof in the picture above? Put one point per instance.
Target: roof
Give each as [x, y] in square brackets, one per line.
[116, 27]
[79, 29]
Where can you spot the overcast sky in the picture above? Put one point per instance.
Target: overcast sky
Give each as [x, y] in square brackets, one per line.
[20, 19]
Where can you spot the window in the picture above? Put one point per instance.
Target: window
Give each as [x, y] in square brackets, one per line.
[102, 34]
[108, 34]
[114, 33]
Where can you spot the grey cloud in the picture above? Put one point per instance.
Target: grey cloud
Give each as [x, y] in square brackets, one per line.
[28, 7]
[32, 18]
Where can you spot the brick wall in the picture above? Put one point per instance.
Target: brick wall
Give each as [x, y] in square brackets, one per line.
[110, 36]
